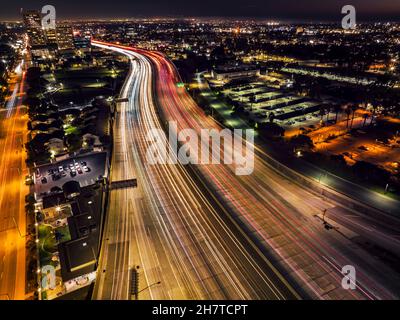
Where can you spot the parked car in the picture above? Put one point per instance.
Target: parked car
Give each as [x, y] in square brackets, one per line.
[44, 180]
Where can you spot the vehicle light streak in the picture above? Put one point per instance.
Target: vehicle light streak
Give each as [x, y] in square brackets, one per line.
[276, 211]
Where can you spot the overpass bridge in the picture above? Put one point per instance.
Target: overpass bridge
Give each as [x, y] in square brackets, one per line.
[123, 184]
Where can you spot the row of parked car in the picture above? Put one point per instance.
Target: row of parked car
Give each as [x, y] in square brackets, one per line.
[298, 120]
[73, 169]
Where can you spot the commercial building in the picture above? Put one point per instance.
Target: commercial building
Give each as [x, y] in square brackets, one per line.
[72, 218]
[51, 36]
[45, 42]
[65, 37]
[231, 72]
[33, 23]
[82, 43]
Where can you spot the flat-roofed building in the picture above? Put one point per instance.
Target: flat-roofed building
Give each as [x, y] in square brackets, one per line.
[78, 257]
[230, 72]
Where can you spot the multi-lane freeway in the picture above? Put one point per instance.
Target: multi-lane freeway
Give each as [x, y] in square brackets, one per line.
[167, 226]
[204, 231]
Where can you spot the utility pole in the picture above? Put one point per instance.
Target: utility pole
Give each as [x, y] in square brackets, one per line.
[134, 290]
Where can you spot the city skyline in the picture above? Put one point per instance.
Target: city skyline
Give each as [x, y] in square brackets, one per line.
[285, 11]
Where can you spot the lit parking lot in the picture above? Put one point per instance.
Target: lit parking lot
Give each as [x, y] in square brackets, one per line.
[85, 169]
[292, 112]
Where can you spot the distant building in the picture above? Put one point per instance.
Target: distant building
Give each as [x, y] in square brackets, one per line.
[65, 37]
[299, 30]
[41, 42]
[82, 43]
[231, 72]
[40, 54]
[33, 24]
[51, 36]
[44, 42]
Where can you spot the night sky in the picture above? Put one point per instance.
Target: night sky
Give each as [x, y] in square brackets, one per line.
[292, 10]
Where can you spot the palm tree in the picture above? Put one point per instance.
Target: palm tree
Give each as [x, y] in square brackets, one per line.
[365, 116]
[271, 117]
[337, 108]
[374, 106]
[348, 111]
[328, 110]
[353, 110]
[252, 99]
[322, 111]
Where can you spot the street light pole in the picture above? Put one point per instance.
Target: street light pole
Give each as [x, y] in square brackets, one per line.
[19, 231]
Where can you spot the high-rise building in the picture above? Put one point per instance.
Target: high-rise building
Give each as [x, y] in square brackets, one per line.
[33, 24]
[65, 37]
[51, 35]
[46, 42]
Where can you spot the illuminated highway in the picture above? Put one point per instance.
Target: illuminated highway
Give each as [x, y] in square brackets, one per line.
[13, 130]
[169, 228]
